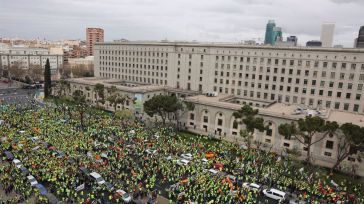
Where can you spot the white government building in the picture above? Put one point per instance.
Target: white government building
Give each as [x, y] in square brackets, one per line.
[284, 83]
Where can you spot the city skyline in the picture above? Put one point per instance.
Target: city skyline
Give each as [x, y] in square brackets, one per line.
[220, 21]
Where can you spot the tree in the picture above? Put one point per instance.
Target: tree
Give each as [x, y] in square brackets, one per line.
[112, 90]
[161, 105]
[99, 91]
[114, 100]
[15, 71]
[63, 86]
[80, 100]
[181, 108]
[35, 72]
[306, 131]
[349, 137]
[247, 116]
[47, 79]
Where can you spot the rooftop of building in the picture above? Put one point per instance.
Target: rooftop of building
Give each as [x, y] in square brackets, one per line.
[126, 85]
[229, 45]
[289, 111]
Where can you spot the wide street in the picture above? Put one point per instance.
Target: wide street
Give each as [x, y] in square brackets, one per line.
[14, 94]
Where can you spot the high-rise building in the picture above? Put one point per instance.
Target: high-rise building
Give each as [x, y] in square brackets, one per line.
[270, 33]
[292, 39]
[93, 35]
[278, 36]
[360, 41]
[327, 34]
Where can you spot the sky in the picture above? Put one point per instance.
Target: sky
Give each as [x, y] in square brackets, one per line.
[181, 20]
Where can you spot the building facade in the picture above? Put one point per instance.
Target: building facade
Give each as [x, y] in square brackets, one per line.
[93, 35]
[26, 58]
[360, 39]
[317, 78]
[327, 34]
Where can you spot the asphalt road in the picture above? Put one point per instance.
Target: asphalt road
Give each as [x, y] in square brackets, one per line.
[17, 96]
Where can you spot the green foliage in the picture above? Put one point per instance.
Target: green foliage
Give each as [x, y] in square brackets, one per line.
[287, 129]
[63, 85]
[116, 99]
[125, 115]
[311, 124]
[353, 133]
[189, 105]
[307, 129]
[248, 117]
[47, 79]
[78, 97]
[162, 105]
[99, 90]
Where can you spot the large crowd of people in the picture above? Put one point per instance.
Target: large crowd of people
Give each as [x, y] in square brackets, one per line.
[144, 162]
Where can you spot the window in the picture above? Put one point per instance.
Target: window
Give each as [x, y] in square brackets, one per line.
[337, 105]
[360, 87]
[205, 119]
[334, 65]
[346, 106]
[328, 104]
[219, 122]
[327, 154]
[329, 144]
[361, 77]
[356, 108]
[338, 94]
[358, 96]
[340, 85]
[192, 116]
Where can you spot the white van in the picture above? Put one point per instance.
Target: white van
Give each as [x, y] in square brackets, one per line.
[275, 194]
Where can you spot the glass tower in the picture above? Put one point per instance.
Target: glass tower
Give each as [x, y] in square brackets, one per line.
[360, 40]
[270, 33]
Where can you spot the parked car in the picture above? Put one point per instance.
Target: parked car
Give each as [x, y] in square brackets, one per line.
[9, 156]
[32, 180]
[98, 178]
[187, 156]
[124, 195]
[213, 171]
[252, 186]
[275, 194]
[24, 171]
[151, 151]
[182, 162]
[109, 186]
[17, 163]
[42, 189]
